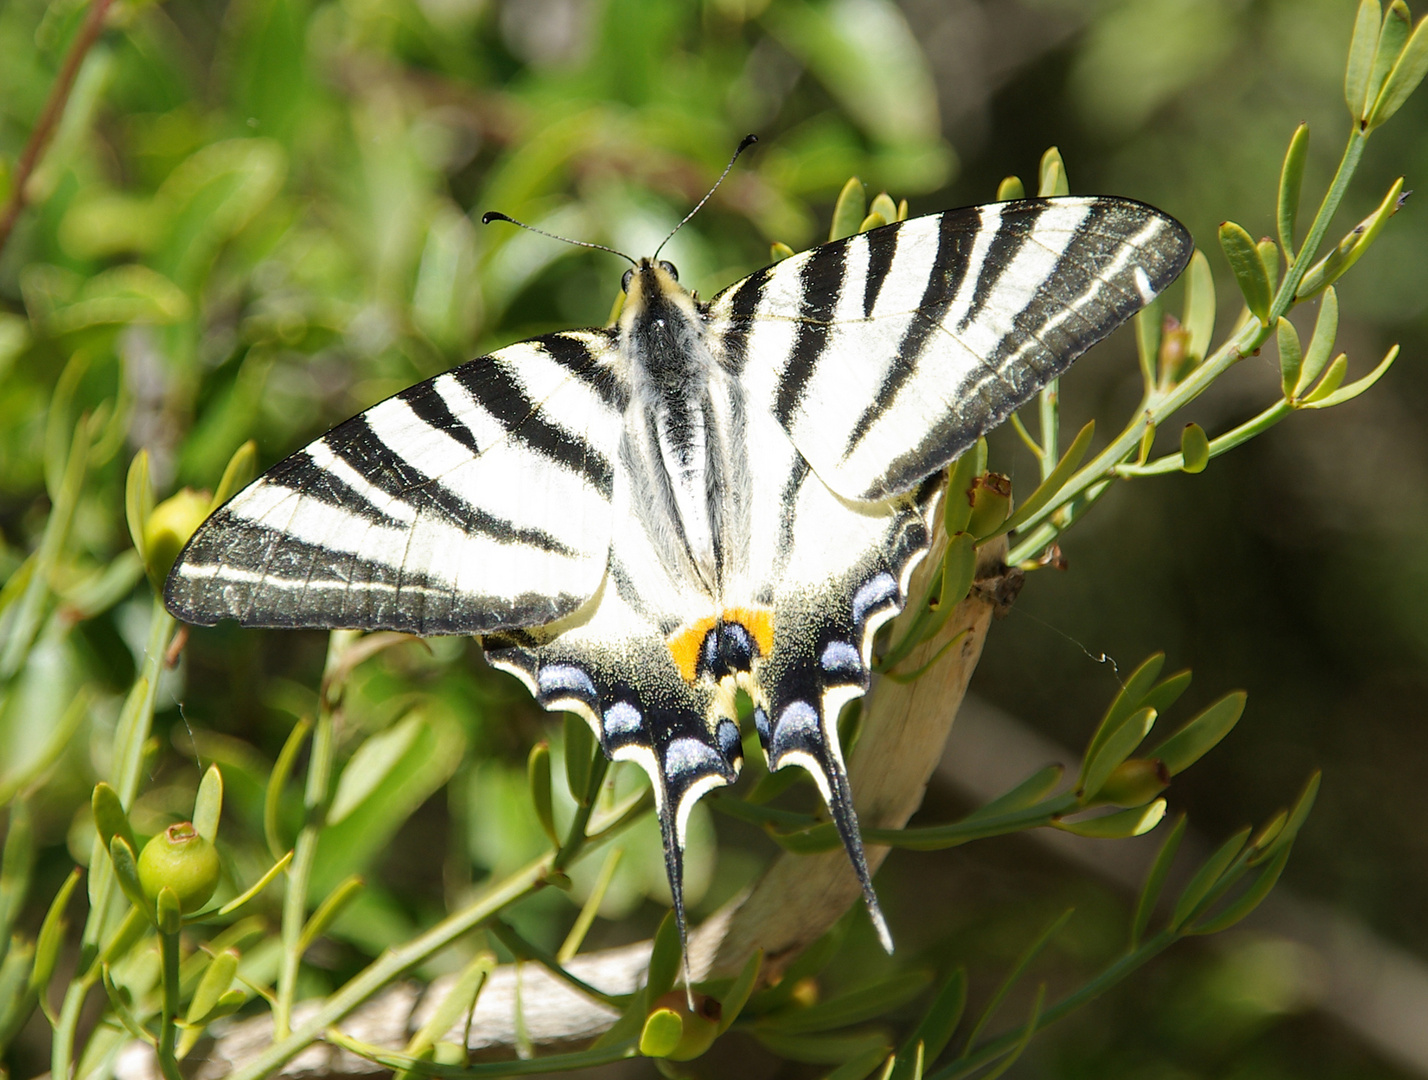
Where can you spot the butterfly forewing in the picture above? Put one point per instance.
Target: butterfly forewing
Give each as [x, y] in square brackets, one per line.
[475, 501]
[887, 354]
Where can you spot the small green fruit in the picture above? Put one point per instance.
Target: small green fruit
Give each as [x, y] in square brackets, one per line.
[181, 860]
[699, 1027]
[169, 527]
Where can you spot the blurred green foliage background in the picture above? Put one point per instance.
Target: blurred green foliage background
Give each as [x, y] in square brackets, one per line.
[258, 217]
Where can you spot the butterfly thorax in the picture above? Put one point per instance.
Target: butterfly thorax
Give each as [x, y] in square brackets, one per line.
[676, 444]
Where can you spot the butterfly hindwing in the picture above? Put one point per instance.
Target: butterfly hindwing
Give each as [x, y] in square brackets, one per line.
[476, 500]
[886, 354]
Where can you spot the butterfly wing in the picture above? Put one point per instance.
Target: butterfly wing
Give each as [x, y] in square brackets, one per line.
[474, 501]
[886, 354]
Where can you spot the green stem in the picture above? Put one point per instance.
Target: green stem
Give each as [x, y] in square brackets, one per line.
[1224, 443]
[299, 872]
[1005, 1043]
[168, 1029]
[1050, 407]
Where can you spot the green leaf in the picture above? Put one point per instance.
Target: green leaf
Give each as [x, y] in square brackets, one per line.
[110, 820]
[1051, 176]
[15, 870]
[1331, 381]
[579, 754]
[849, 210]
[121, 296]
[458, 1001]
[538, 777]
[1252, 897]
[825, 1048]
[809, 963]
[1054, 482]
[846, 1010]
[261, 884]
[738, 994]
[1123, 823]
[1361, 55]
[1249, 268]
[1028, 793]
[1194, 448]
[277, 780]
[1013, 976]
[1291, 181]
[661, 1034]
[217, 978]
[1115, 748]
[934, 1031]
[1122, 706]
[1291, 357]
[126, 872]
[51, 936]
[957, 507]
[1199, 322]
[1269, 255]
[1201, 734]
[1155, 881]
[1148, 328]
[1321, 345]
[1206, 878]
[139, 500]
[872, 221]
[168, 911]
[664, 958]
[1391, 38]
[1297, 817]
[371, 764]
[1010, 188]
[591, 907]
[1325, 396]
[1407, 73]
[208, 806]
[883, 205]
[236, 474]
[1352, 247]
[1166, 692]
[328, 911]
[860, 1066]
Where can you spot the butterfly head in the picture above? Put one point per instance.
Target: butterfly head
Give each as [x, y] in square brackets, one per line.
[655, 302]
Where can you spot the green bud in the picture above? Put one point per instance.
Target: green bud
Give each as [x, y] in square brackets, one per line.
[1194, 448]
[991, 502]
[168, 528]
[1010, 188]
[778, 251]
[181, 860]
[697, 1029]
[1174, 358]
[1134, 782]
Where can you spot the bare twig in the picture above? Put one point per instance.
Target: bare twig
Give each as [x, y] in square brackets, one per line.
[50, 115]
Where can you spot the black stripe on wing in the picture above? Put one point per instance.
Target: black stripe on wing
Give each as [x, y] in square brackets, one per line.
[821, 278]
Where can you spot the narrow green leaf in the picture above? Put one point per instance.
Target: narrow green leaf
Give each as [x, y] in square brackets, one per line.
[1122, 706]
[168, 912]
[1194, 448]
[1028, 1030]
[1052, 175]
[737, 996]
[119, 1002]
[1010, 188]
[1148, 326]
[139, 501]
[1353, 246]
[854, 1007]
[1166, 692]
[1407, 73]
[1028, 793]
[1155, 881]
[664, 958]
[934, 1031]
[277, 780]
[1206, 878]
[1291, 357]
[1325, 397]
[1361, 53]
[883, 205]
[372, 763]
[1115, 748]
[1321, 345]
[1201, 734]
[51, 936]
[1392, 36]
[1269, 255]
[661, 1034]
[126, 872]
[825, 1048]
[217, 978]
[1123, 823]
[957, 508]
[459, 1001]
[1199, 321]
[579, 754]
[809, 963]
[110, 820]
[542, 798]
[1297, 817]
[590, 908]
[1331, 381]
[1250, 273]
[1250, 899]
[777, 253]
[237, 474]
[16, 868]
[860, 1066]
[1017, 971]
[208, 806]
[328, 911]
[261, 884]
[1291, 181]
[1048, 488]
[849, 210]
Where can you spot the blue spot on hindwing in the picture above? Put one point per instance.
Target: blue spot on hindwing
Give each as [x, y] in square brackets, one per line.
[559, 680]
[727, 734]
[622, 718]
[798, 729]
[873, 593]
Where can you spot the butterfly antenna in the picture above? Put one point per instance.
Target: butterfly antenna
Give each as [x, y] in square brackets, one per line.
[495, 215]
[744, 143]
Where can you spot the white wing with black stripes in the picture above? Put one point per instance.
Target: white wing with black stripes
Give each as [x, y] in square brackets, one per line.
[887, 354]
[475, 501]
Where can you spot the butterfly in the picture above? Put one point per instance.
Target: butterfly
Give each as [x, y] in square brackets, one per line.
[641, 520]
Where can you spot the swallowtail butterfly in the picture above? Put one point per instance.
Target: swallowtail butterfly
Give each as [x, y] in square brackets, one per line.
[640, 520]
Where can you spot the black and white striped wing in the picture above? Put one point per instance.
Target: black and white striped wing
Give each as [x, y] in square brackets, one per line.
[887, 354]
[476, 501]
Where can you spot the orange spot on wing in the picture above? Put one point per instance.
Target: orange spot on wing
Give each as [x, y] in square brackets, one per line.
[758, 622]
[684, 645]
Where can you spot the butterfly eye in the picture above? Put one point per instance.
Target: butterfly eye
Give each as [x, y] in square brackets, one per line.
[668, 268]
[625, 281]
